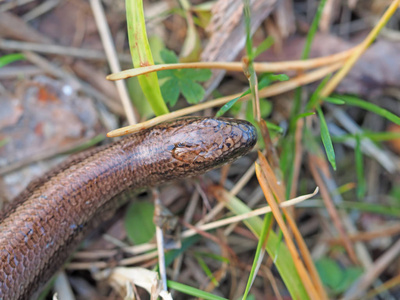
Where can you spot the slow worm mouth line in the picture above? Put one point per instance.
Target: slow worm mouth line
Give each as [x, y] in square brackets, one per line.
[45, 223]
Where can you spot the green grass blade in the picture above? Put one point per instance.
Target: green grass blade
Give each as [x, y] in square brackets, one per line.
[326, 139]
[141, 55]
[354, 101]
[361, 186]
[373, 136]
[247, 20]
[188, 290]
[265, 45]
[9, 58]
[314, 100]
[334, 100]
[206, 270]
[259, 252]
[265, 81]
[313, 30]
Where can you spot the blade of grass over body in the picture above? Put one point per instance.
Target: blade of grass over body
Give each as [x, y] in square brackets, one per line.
[141, 55]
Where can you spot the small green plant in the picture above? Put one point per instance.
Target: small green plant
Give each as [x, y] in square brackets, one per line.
[181, 81]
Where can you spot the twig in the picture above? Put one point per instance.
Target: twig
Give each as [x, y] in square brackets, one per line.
[111, 53]
[88, 54]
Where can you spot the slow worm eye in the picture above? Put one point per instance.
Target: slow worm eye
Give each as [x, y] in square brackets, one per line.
[187, 152]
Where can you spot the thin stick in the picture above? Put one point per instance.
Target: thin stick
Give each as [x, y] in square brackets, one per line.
[111, 53]
[89, 54]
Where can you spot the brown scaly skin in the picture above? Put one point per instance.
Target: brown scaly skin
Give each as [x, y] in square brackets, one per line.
[47, 221]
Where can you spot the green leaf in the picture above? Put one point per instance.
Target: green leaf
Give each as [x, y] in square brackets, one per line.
[168, 56]
[326, 139]
[354, 101]
[196, 74]
[139, 224]
[192, 91]
[349, 276]
[329, 271]
[166, 73]
[170, 91]
[181, 81]
[9, 58]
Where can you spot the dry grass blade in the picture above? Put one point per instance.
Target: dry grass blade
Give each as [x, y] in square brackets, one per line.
[395, 281]
[305, 277]
[283, 66]
[279, 194]
[273, 186]
[111, 53]
[272, 90]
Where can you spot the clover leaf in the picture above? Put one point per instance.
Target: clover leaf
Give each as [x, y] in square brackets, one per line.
[181, 81]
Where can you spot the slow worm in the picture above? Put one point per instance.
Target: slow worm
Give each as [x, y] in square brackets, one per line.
[45, 223]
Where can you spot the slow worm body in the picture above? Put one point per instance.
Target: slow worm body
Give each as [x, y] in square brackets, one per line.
[45, 223]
